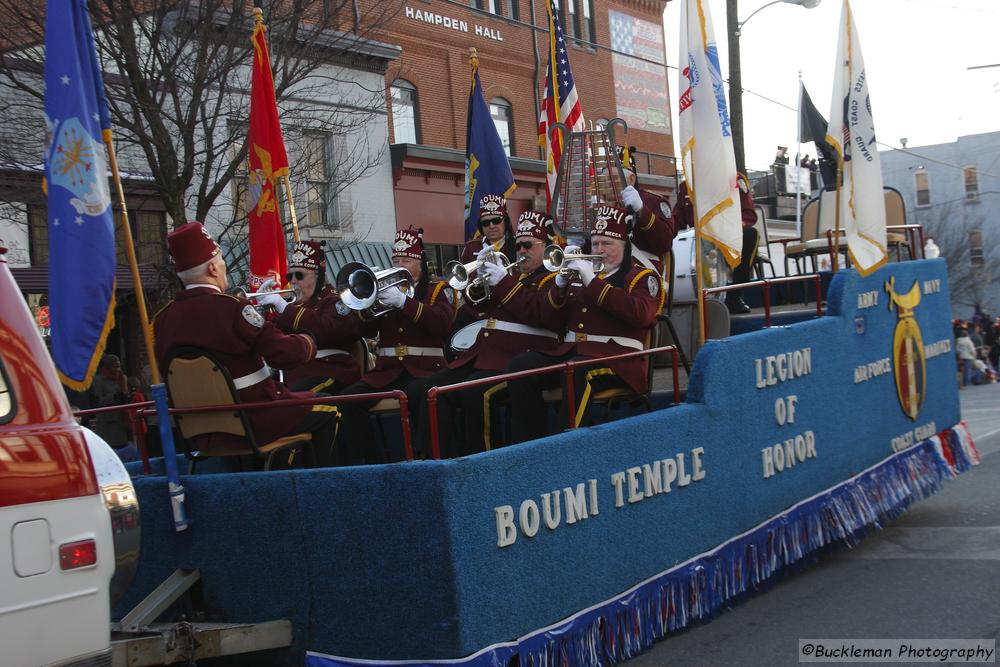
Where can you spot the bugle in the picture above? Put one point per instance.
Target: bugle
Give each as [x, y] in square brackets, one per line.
[241, 293]
[359, 286]
[556, 259]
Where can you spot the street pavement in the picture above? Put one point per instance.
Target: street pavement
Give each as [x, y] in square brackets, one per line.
[933, 573]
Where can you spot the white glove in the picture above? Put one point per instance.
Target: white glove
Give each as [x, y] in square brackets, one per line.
[631, 198]
[492, 273]
[267, 285]
[561, 280]
[486, 251]
[584, 268]
[572, 250]
[273, 300]
[393, 297]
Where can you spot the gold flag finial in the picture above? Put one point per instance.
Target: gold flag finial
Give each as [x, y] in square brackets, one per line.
[258, 15]
[473, 56]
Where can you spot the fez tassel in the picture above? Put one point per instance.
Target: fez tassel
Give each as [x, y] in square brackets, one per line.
[628, 624]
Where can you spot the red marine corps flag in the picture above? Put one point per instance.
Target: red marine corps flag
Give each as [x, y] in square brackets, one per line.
[268, 163]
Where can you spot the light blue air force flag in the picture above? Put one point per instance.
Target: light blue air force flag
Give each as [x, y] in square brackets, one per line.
[487, 170]
[81, 224]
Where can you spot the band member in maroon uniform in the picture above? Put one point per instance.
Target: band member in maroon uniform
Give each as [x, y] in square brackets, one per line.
[231, 330]
[603, 315]
[494, 229]
[411, 339]
[517, 317]
[684, 218]
[653, 227]
[318, 310]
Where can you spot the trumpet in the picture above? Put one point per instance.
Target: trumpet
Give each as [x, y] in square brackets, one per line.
[556, 259]
[478, 290]
[359, 286]
[460, 275]
[241, 293]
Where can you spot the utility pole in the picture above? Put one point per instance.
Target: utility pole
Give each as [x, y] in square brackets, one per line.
[735, 84]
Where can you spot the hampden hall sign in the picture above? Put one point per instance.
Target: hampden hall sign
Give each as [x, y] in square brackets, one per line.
[455, 24]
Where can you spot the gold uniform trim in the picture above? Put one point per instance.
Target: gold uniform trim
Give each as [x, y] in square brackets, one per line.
[546, 279]
[437, 291]
[582, 408]
[511, 293]
[420, 311]
[603, 294]
[298, 318]
[649, 225]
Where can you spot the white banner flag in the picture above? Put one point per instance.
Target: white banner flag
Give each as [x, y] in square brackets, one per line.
[706, 141]
[852, 134]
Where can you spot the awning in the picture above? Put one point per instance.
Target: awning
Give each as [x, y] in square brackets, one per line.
[36, 278]
[370, 254]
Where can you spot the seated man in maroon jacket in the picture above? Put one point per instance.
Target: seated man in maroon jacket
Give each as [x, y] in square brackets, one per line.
[317, 309]
[411, 340]
[505, 332]
[603, 314]
[231, 330]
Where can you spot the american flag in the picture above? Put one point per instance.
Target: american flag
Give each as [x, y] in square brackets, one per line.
[561, 104]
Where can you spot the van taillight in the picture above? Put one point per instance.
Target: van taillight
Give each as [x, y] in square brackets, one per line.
[77, 554]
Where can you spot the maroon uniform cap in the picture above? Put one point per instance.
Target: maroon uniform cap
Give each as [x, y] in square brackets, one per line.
[492, 206]
[409, 243]
[191, 245]
[611, 222]
[535, 225]
[308, 255]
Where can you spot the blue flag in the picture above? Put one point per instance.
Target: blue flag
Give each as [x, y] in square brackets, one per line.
[487, 170]
[81, 223]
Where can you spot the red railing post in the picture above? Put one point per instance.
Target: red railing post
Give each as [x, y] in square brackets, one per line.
[432, 416]
[139, 433]
[404, 422]
[767, 304]
[819, 295]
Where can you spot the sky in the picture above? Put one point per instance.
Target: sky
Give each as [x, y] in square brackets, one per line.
[916, 55]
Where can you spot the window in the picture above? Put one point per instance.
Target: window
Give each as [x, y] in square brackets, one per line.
[976, 248]
[6, 398]
[405, 119]
[38, 238]
[922, 181]
[572, 24]
[318, 170]
[503, 119]
[149, 229]
[588, 20]
[971, 178]
[506, 8]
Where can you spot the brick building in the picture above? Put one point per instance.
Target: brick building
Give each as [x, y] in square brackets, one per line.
[616, 51]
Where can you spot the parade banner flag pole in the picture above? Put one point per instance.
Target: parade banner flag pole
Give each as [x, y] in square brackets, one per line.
[268, 163]
[851, 133]
[707, 154]
[487, 169]
[81, 225]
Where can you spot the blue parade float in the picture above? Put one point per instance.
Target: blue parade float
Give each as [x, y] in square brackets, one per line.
[584, 547]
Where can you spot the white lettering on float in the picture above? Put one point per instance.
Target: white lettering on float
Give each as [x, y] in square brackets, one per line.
[910, 438]
[784, 410]
[937, 348]
[866, 372]
[786, 455]
[867, 299]
[578, 503]
[932, 286]
[783, 367]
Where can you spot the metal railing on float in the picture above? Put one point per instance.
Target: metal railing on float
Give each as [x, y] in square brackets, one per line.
[766, 284]
[565, 366]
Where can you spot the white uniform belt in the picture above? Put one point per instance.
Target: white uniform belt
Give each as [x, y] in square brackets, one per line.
[329, 352]
[409, 351]
[250, 380]
[516, 327]
[573, 337]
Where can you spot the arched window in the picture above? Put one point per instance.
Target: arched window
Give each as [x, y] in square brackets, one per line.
[503, 118]
[405, 117]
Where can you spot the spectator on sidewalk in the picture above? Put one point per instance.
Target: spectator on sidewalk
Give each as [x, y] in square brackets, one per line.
[966, 354]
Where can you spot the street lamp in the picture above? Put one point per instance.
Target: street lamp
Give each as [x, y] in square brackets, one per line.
[733, 27]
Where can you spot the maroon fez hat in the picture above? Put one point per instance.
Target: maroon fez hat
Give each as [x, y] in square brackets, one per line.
[612, 222]
[308, 255]
[409, 243]
[534, 224]
[492, 206]
[191, 245]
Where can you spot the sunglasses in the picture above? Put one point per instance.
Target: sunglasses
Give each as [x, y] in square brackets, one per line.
[298, 275]
[492, 221]
[525, 245]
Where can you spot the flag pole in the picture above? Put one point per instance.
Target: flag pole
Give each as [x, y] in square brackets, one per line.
[159, 390]
[798, 159]
[700, 280]
[291, 208]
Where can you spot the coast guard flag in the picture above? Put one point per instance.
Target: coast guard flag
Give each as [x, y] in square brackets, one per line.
[560, 105]
[706, 139]
[851, 132]
[487, 170]
[268, 163]
[81, 223]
